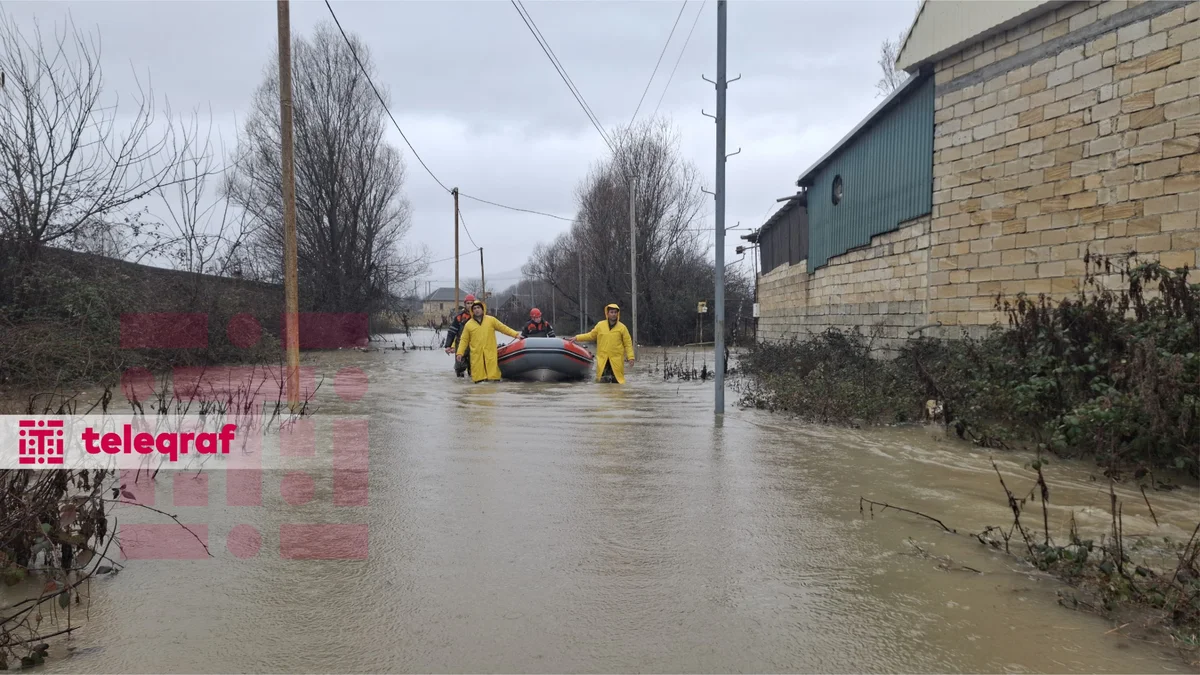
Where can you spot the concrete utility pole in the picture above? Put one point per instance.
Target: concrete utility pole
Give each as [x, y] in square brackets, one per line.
[455, 191]
[633, 256]
[482, 280]
[290, 290]
[719, 296]
[580, 254]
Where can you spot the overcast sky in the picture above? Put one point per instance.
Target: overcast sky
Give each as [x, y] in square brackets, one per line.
[485, 109]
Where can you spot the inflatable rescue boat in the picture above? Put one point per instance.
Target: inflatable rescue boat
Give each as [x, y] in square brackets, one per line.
[543, 359]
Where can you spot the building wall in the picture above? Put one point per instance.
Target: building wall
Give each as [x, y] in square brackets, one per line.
[1078, 131]
[880, 287]
[432, 310]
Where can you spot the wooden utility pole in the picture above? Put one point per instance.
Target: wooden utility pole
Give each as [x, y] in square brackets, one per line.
[289, 206]
[455, 191]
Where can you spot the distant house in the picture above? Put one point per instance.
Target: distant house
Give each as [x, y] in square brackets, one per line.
[439, 304]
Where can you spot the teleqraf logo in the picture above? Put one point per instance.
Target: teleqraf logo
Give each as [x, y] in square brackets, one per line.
[170, 443]
[41, 441]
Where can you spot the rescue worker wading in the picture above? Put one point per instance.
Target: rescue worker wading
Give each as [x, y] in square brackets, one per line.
[536, 327]
[612, 343]
[479, 337]
[460, 319]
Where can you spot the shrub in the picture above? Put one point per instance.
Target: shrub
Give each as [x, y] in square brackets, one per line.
[1112, 374]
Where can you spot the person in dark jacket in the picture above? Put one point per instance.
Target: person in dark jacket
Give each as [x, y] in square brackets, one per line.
[536, 326]
[461, 317]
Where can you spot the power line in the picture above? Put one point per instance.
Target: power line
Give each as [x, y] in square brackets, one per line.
[681, 53]
[463, 220]
[402, 134]
[562, 72]
[563, 68]
[354, 52]
[513, 208]
[434, 262]
[656, 65]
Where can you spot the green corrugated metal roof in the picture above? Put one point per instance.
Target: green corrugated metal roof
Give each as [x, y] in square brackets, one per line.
[893, 99]
[886, 169]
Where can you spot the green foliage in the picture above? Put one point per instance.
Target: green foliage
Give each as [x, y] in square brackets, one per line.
[1111, 374]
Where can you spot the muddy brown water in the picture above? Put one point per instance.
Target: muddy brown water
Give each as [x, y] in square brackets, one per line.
[598, 528]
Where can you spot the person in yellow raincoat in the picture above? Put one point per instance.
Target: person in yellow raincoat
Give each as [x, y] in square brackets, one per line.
[612, 343]
[479, 335]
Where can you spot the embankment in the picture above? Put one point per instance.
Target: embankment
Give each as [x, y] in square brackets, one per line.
[66, 326]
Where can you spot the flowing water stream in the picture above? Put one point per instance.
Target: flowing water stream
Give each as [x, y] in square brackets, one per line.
[580, 527]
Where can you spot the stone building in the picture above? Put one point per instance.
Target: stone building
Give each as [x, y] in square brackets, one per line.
[439, 305]
[1057, 129]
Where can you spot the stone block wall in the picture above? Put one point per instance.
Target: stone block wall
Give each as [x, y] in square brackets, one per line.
[879, 287]
[1078, 131]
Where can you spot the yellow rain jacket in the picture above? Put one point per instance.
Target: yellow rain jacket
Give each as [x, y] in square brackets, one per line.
[613, 345]
[480, 338]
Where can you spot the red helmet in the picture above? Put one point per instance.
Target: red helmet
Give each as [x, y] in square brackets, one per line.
[535, 313]
[469, 299]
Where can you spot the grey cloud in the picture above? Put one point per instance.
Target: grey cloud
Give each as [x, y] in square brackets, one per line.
[484, 107]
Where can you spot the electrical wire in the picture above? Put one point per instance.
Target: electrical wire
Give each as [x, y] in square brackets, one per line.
[656, 65]
[434, 262]
[354, 52]
[462, 219]
[563, 68]
[681, 53]
[562, 72]
[363, 68]
[513, 208]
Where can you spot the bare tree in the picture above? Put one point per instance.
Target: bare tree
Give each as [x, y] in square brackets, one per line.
[474, 286]
[674, 271]
[206, 232]
[66, 170]
[888, 53]
[350, 213]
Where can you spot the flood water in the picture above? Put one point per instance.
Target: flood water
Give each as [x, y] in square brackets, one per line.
[548, 527]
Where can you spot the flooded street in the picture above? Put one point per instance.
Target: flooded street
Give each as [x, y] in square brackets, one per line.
[519, 527]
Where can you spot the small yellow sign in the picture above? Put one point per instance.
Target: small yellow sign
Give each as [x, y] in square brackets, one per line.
[702, 307]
